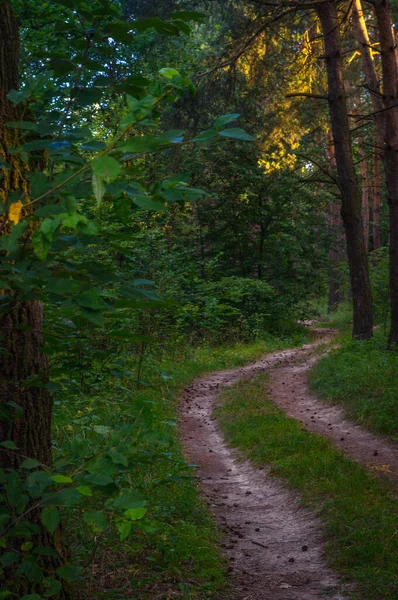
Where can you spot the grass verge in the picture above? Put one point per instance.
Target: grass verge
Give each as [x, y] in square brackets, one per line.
[359, 512]
[180, 557]
[362, 376]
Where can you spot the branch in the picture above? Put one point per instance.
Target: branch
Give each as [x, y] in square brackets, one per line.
[230, 61]
[320, 167]
[307, 95]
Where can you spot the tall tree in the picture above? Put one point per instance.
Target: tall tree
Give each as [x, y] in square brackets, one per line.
[23, 366]
[25, 401]
[374, 87]
[351, 211]
[389, 60]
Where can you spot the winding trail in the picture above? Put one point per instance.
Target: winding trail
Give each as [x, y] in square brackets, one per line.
[288, 389]
[274, 546]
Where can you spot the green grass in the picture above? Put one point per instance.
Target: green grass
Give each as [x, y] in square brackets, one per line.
[358, 511]
[363, 377]
[340, 318]
[182, 556]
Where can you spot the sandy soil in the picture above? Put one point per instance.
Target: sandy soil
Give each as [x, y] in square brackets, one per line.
[273, 545]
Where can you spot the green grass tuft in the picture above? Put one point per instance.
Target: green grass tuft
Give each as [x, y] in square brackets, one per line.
[358, 511]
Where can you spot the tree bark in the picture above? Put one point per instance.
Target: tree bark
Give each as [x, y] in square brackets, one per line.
[365, 191]
[351, 210]
[372, 79]
[22, 327]
[376, 201]
[374, 87]
[337, 250]
[23, 365]
[389, 60]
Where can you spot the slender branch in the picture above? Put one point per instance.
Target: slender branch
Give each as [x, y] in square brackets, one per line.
[307, 95]
[232, 60]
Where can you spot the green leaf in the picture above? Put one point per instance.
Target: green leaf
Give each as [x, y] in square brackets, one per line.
[31, 597]
[62, 479]
[93, 145]
[27, 546]
[205, 136]
[49, 210]
[9, 558]
[84, 490]
[143, 143]
[147, 203]
[28, 125]
[95, 519]
[118, 458]
[106, 167]
[225, 119]
[189, 15]
[69, 572]
[138, 80]
[15, 96]
[169, 73]
[98, 188]
[31, 571]
[129, 500]
[30, 463]
[41, 245]
[51, 518]
[62, 66]
[94, 316]
[52, 586]
[120, 32]
[124, 529]
[175, 136]
[237, 134]
[9, 445]
[134, 514]
[87, 96]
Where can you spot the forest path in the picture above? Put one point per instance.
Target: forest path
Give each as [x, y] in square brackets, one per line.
[274, 546]
[288, 388]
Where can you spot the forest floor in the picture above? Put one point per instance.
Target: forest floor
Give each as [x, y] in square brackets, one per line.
[274, 544]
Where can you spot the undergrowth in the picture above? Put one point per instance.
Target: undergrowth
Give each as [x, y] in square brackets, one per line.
[178, 552]
[358, 511]
[362, 376]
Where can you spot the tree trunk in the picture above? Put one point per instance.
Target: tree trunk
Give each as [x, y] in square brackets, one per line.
[337, 251]
[389, 60]
[23, 365]
[23, 361]
[365, 191]
[351, 210]
[373, 85]
[22, 327]
[337, 256]
[376, 201]
[372, 80]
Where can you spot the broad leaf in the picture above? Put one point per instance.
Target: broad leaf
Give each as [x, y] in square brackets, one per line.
[50, 518]
[106, 167]
[237, 134]
[98, 188]
[225, 119]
